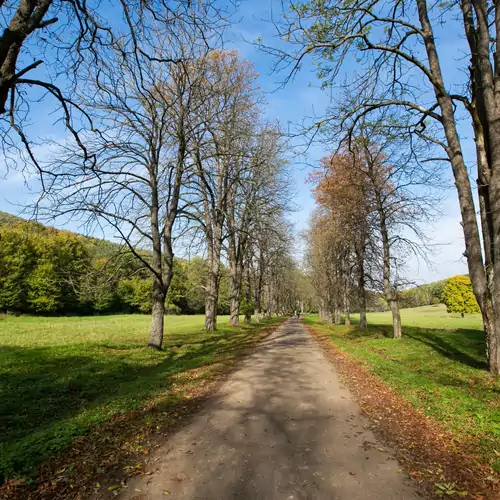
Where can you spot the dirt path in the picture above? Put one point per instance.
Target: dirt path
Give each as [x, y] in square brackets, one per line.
[282, 427]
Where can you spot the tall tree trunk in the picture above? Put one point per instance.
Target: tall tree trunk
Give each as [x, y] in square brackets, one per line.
[248, 295]
[234, 301]
[483, 182]
[211, 299]
[486, 297]
[256, 314]
[258, 290]
[390, 293]
[347, 317]
[234, 311]
[270, 299]
[212, 287]
[158, 292]
[362, 305]
[338, 320]
[360, 266]
[157, 315]
[248, 316]
[396, 318]
[347, 309]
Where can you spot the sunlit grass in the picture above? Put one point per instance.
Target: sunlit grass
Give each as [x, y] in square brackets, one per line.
[60, 376]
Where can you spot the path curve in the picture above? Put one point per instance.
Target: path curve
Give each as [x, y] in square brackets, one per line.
[281, 427]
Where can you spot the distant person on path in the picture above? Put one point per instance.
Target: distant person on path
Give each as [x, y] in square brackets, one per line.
[297, 313]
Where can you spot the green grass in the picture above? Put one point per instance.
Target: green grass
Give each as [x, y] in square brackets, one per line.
[439, 366]
[60, 376]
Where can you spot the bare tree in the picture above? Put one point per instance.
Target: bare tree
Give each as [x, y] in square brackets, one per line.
[220, 157]
[258, 192]
[47, 46]
[368, 200]
[402, 198]
[269, 262]
[145, 108]
[342, 193]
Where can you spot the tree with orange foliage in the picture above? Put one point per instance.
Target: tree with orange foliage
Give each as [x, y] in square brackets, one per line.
[342, 194]
[367, 200]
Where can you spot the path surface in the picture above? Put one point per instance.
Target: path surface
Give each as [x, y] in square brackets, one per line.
[282, 427]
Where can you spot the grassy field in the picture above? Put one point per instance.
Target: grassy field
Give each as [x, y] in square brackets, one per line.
[60, 376]
[439, 366]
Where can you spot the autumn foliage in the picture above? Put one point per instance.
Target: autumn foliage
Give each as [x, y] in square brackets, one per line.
[459, 297]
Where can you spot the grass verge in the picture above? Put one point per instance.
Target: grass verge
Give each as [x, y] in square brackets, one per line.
[85, 382]
[440, 373]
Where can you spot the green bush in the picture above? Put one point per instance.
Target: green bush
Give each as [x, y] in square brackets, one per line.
[458, 296]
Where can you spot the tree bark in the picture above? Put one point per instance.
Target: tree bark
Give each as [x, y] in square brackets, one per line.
[234, 301]
[234, 312]
[157, 315]
[256, 314]
[259, 284]
[211, 297]
[390, 293]
[347, 316]
[347, 306]
[362, 305]
[360, 250]
[396, 318]
[248, 316]
[158, 293]
[27, 18]
[248, 295]
[212, 286]
[328, 317]
[338, 320]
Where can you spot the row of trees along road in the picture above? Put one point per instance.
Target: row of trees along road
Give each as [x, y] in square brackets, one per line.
[367, 223]
[398, 50]
[167, 140]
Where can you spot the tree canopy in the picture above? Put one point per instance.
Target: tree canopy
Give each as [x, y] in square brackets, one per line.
[459, 297]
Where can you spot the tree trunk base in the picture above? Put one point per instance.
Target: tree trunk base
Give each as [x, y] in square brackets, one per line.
[155, 347]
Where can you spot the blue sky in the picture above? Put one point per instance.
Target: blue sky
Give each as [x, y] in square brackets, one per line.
[290, 105]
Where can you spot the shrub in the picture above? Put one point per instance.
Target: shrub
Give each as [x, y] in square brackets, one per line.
[458, 296]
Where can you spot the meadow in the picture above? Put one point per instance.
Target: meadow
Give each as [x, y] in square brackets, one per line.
[439, 366]
[61, 376]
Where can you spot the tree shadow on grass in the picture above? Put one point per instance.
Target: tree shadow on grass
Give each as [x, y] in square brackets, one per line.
[465, 346]
[52, 394]
[461, 345]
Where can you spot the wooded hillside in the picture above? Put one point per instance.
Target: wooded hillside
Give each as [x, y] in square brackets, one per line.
[49, 271]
